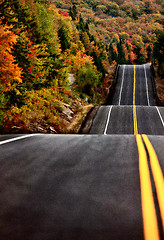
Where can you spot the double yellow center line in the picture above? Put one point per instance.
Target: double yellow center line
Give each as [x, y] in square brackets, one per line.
[151, 230]
[150, 223]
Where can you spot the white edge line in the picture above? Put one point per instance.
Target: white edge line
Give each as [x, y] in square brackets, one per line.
[121, 85]
[160, 116]
[107, 122]
[146, 87]
[17, 138]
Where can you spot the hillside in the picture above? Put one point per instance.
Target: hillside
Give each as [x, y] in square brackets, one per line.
[40, 49]
[128, 27]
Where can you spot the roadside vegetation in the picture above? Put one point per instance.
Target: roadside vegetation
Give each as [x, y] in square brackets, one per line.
[158, 61]
[43, 43]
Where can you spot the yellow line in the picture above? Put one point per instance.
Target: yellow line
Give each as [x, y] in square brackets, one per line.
[134, 106]
[135, 120]
[148, 209]
[157, 175]
[134, 86]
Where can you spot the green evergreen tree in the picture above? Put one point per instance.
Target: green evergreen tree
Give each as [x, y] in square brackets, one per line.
[63, 39]
[158, 53]
[112, 53]
[81, 24]
[73, 12]
[98, 63]
[149, 53]
[22, 18]
[121, 55]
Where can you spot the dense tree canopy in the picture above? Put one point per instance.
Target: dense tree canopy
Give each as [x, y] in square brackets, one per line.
[129, 26]
[40, 46]
[158, 52]
[42, 42]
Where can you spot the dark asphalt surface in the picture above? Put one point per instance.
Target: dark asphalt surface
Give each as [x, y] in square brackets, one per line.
[126, 82]
[124, 87]
[82, 187]
[70, 187]
[150, 119]
[121, 120]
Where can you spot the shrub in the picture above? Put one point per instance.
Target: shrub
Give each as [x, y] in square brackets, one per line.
[87, 79]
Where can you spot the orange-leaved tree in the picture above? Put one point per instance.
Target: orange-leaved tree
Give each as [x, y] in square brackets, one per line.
[9, 70]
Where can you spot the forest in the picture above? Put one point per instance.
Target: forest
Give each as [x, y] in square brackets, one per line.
[44, 44]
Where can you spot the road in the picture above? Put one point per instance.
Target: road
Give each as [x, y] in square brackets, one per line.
[125, 86]
[133, 107]
[105, 185]
[121, 120]
[134, 112]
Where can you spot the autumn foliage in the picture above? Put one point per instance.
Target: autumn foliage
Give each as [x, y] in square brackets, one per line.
[40, 46]
[42, 43]
[10, 72]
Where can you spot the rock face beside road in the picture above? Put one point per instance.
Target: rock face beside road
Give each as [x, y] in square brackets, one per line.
[67, 111]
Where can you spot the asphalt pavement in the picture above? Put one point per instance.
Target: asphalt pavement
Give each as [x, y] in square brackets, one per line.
[71, 187]
[149, 120]
[133, 105]
[125, 85]
[105, 185]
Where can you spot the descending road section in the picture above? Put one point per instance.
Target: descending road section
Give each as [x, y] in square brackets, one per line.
[106, 185]
[132, 78]
[133, 111]
[120, 120]
[133, 107]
